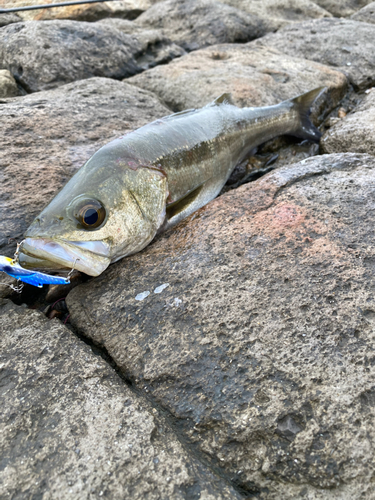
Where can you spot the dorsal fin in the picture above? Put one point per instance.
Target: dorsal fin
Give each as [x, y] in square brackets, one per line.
[223, 99]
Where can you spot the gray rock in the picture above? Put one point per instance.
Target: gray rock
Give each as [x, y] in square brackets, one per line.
[10, 18]
[278, 13]
[195, 24]
[256, 76]
[46, 55]
[8, 85]
[45, 137]
[71, 428]
[365, 15]
[354, 133]
[154, 47]
[343, 8]
[346, 45]
[262, 346]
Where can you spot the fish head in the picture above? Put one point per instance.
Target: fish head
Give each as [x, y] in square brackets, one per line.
[110, 208]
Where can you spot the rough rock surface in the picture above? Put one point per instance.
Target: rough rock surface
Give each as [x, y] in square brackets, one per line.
[354, 133]
[342, 43]
[194, 24]
[44, 55]
[71, 428]
[365, 15]
[343, 8]
[45, 137]
[154, 47]
[256, 76]
[262, 344]
[10, 18]
[278, 13]
[8, 85]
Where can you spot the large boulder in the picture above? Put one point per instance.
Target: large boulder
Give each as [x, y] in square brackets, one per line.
[8, 85]
[256, 76]
[343, 8]
[252, 323]
[365, 15]
[72, 428]
[45, 55]
[45, 137]
[194, 24]
[344, 44]
[355, 132]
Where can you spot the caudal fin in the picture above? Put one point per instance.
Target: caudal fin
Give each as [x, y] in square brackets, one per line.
[302, 104]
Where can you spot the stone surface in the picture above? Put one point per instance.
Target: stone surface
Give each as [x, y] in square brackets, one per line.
[343, 8]
[278, 13]
[354, 133]
[365, 15]
[154, 47]
[128, 9]
[44, 55]
[346, 45]
[194, 24]
[8, 85]
[262, 344]
[10, 18]
[71, 428]
[45, 137]
[256, 76]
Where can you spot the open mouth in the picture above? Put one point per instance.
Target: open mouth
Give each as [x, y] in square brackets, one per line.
[89, 257]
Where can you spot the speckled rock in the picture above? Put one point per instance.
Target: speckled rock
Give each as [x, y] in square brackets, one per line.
[343, 8]
[261, 340]
[8, 85]
[10, 18]
[355, 132]
[194, 24]
[45, 55]
[344, 44]
[365, 15]
[278, 13]
[256, 76]
[45, 137]
[71, 428]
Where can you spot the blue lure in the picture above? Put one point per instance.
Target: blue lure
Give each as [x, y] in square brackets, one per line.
[35, 278]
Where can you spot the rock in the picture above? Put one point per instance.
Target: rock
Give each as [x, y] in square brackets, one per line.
[262, 344]
[356, 132]
[154, 47]
[365, 15]
[10, 18]
[45, 137]
[343, 8]
[256, 76]
[194, 24]
[278, 13]
[8, 85]
[7, 285]
[346, 45]
[71, 427]
[128, 9]
[45, 55]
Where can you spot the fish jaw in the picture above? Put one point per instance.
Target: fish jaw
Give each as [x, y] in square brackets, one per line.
[91, 258]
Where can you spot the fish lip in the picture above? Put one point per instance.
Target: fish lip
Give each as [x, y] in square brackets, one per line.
[91, 258]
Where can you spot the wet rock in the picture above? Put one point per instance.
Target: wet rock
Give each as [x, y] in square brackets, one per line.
[7, 285]
[10, 18]
[355, 132]
[194, 24]
[154, 47]
[262, 346]
[71, 428]
[8, 85]
[256, 76]
[343, 8]
[346, 45]
[365, 15]
[278, 13]
[45, 137]
[45, 55]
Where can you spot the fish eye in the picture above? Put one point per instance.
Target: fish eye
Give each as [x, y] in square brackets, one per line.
[90, 213]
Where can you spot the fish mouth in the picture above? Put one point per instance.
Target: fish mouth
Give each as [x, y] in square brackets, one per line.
[89, 257]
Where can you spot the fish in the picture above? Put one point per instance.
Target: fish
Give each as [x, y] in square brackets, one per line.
[145, 182]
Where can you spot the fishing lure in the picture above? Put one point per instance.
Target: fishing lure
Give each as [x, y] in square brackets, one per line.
[35, 278]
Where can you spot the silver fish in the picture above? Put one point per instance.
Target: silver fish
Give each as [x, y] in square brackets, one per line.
[152, 178]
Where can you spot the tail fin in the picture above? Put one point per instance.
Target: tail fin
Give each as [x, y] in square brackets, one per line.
[302, 104]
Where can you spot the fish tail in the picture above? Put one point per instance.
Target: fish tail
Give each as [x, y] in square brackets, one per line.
[305, 129]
